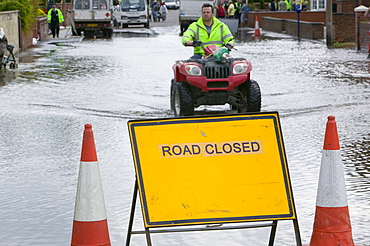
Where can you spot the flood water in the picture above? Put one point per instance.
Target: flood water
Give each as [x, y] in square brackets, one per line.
[57, 89]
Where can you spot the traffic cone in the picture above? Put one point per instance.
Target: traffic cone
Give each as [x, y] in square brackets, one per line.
[257, 28]
[332, 224]
[90, 226]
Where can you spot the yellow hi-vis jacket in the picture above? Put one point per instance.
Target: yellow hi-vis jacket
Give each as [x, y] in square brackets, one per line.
[59, 13]
[220, 34]
[288, 4]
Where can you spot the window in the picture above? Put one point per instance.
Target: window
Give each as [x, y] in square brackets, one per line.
[133, 5]
[100, 4]
[82, 4]
[318, 5]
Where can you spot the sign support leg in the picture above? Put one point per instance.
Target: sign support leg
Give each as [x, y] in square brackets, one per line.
[297, 233]
[273, 233]
[148, 240]
[133, 204]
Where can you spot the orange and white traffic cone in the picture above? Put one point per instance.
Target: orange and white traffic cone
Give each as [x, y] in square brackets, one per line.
[257, 32]
[90, 226]
[332, 224]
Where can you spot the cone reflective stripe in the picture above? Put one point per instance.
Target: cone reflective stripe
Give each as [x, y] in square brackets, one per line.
[257, 28]
[332, 224]
[90, 226]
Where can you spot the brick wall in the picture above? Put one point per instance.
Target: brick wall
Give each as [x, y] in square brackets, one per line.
[343, 23]
[363, 33]
[345, 6]
[310, 16]
[310, 30]
[364, 37]
[273, 24]
[344, 27]
[40, 30]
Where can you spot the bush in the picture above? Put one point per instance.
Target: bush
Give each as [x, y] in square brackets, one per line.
[262, 4]
[28, 10]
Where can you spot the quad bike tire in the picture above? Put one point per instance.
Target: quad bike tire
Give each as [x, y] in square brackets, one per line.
[251, 94]
[181, 99]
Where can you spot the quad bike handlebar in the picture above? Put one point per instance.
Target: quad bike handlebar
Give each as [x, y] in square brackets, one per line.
[197, 43]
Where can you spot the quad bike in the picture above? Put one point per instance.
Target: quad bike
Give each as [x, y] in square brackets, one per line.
[216, 79]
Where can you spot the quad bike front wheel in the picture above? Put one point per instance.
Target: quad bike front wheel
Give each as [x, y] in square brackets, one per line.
[251, 97]
[181, 99]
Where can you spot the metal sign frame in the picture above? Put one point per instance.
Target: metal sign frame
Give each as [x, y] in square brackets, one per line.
[253, 140]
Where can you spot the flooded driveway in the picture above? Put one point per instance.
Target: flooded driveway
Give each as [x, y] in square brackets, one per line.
[57, 89]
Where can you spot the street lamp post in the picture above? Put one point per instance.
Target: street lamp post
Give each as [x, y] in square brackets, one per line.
[298, 9]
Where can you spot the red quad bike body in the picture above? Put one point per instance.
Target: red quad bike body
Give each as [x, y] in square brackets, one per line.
[214, 81]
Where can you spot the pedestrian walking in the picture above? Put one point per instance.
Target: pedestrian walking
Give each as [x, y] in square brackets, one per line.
[243, 17]
[55, 17]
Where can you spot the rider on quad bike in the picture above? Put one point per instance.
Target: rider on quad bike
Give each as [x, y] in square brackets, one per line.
[211, 76]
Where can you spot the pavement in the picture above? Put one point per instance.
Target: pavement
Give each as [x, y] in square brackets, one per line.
[65, 35]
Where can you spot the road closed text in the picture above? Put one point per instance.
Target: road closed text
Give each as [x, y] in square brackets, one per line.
[211, 149]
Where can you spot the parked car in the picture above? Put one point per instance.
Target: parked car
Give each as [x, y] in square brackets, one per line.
[172, 4]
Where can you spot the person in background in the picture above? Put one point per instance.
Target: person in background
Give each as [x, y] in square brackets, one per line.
[3, 44]
[163, 10]
[304, 5]
[230, 10]
[282, 5]
[225, 3]
[55, 17]
[208, 30]
[243, 17]
[237, 9]
[221, 11]
[272, 5]
[155, 10]
[288, 5]
[3, 38]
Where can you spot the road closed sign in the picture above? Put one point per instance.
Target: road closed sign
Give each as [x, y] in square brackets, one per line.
[213, 169]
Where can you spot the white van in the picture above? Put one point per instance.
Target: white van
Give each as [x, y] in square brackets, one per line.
[132, 12]
[91, 16]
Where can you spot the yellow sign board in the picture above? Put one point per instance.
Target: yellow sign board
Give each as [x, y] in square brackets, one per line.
[213, 169]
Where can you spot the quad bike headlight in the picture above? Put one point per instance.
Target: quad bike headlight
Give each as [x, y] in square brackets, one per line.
[193, 70]
[240, 68]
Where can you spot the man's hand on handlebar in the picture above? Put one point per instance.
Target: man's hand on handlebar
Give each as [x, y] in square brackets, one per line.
[229, 46]
[193, 43]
